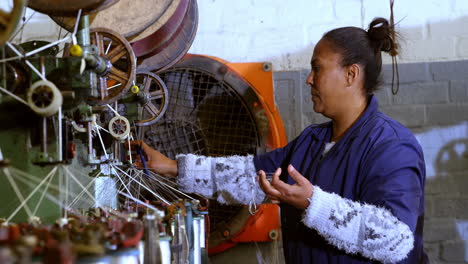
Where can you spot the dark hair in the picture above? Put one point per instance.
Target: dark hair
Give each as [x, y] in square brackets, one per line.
[358, 46]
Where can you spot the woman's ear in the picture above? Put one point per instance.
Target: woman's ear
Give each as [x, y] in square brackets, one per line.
[353, 74]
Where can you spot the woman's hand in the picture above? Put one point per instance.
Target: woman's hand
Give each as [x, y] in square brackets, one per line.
[277, 191]
[155, 161]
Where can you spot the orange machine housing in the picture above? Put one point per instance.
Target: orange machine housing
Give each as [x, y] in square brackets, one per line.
[265, 224]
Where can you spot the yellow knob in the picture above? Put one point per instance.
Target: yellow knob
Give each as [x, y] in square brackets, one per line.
[135, 89]
[76, 50]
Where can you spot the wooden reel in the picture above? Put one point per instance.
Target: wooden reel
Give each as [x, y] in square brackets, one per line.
[69, 8]
[10, 19]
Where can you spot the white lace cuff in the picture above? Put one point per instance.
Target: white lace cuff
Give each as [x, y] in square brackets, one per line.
[230, 180]
[358, 228]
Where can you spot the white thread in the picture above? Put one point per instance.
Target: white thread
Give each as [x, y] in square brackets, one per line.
[46, 46]
[20, 174]
[165, 185]
[112, 109]
[22, 26]
[11, 59]
[139, 202]
[153, 193]
[31, 195]
[174, 189]
[14, 96]
[51, 198]
[17, 191]
[78, 197]
[81, 185]
[123, 184]
[129, 150]
[101, 128]
[35, 70]
[27, 178]
[252, 204]
[74, 41]
[77, 22]
[102, 142]
[27, 62]
[42, 196]
[140, 184]
[14, 49]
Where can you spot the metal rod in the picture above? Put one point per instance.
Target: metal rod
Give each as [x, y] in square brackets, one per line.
[83, 31]
[44, 135]
[90, 138]
[60, 139]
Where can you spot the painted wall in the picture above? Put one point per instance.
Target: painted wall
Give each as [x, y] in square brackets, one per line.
[433, 97]
[285, 32]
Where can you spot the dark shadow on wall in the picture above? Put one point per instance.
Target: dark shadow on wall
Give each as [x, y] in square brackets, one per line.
[446, 204]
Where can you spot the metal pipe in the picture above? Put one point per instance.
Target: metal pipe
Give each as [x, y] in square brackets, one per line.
[60, 139]
[44, 135]
[90, 139]
[82, 36]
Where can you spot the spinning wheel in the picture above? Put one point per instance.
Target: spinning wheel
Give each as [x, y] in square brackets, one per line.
[121, 65]
[153, 96]
[10, 19]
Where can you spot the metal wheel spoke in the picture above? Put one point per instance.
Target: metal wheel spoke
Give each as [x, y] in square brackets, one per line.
[156, 94]
[146, 83]
[99, 42]
[121, 65]
[103, 86]
[152, 109]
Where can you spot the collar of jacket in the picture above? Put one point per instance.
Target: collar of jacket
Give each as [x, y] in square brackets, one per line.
[324, 134]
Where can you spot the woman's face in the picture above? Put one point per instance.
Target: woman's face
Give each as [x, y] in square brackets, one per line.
[327, 80]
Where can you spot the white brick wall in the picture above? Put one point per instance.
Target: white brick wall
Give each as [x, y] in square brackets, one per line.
[285, 32]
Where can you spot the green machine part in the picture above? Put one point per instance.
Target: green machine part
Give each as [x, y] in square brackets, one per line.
[23, 155]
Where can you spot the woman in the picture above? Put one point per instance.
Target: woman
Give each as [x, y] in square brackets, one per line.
[350, 190]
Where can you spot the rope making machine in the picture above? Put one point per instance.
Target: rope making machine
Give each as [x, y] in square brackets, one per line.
[70, 105]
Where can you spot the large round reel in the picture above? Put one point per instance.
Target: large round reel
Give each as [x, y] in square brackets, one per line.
[69, 8]
[118, 78]
[153, 96]
[44, 98]
[119, 127]
[169, 52]
[127, 17]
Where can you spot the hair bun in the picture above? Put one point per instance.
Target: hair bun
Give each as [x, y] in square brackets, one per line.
[382, 35]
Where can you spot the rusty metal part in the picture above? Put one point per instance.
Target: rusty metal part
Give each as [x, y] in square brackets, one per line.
[69, 8]
[127, 17]
[159, 33]
[9, 20]
[174, 49]
[118, 78]
[153, 96]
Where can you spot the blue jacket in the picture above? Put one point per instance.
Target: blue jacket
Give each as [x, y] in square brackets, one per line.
[377, 162]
